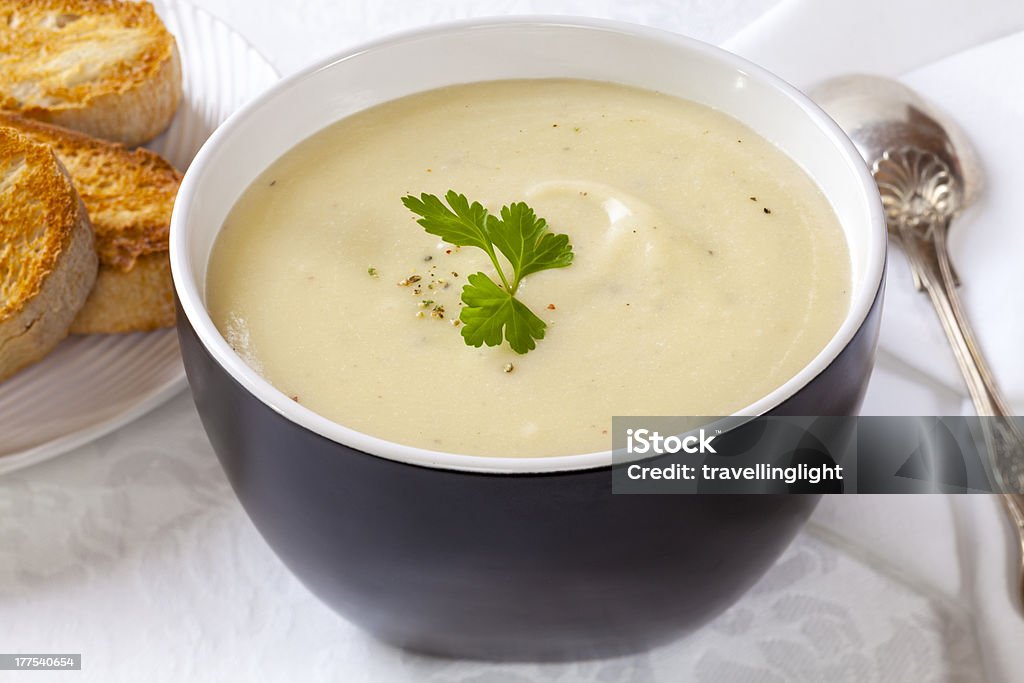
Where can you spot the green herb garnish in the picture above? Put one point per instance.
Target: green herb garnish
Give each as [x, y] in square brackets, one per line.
[492, 311]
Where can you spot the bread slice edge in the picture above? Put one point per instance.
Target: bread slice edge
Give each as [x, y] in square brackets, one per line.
[136, 300]
[39, 326]
[131, 117]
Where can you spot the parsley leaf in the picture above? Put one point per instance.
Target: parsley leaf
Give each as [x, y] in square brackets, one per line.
[491, 312]
[524, 239]
[464, 225]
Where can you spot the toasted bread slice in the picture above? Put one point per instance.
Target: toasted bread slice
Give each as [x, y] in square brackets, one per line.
[129, 196]
[47, 259]
[104, 67]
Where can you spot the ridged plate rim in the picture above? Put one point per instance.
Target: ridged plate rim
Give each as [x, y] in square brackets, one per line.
[181, 18]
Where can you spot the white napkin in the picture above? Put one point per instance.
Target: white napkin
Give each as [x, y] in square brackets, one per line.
[807, 41]
[957, 546]
[987, 243]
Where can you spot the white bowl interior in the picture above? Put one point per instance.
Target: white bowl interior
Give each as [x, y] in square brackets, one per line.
[498, 49]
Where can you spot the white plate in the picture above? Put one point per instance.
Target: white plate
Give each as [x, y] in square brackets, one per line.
[92, 385]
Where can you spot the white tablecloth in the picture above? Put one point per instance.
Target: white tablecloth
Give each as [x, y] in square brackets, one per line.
[134, 552]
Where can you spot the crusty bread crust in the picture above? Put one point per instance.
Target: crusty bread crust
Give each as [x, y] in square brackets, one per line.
[48, 262]
[137, 300]
[108, 68]
[133, 116]
[129, 195]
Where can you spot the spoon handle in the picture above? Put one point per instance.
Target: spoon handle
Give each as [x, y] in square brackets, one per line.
[1014, 504]
[929, 259]
[933, 270]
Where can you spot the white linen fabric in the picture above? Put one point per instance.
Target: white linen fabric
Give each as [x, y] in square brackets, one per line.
[133, 550]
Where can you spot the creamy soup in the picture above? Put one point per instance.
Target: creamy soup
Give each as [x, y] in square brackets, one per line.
[709, 268]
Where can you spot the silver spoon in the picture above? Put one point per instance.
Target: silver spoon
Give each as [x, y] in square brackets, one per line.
[927, 172]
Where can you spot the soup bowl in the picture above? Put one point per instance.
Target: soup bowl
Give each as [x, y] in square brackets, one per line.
[506, 558]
